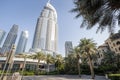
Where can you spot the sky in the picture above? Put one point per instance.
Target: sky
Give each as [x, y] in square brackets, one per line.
[25, 13]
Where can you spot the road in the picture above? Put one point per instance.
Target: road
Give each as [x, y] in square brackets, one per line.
[63, 77]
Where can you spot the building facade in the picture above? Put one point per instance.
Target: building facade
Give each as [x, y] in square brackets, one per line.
[2, 34]
[68, 48]
[114, 42]
[102, 49]
[46, 32]
[10, 39]
[22, 42]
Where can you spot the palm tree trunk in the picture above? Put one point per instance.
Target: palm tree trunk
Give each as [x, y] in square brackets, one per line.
[37, 69]
[91, 66]
[23, 68]
[79, 69]
[48, 68]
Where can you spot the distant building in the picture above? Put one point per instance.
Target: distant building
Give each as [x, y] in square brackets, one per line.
[111, 44]
[10, 39]
[2, 34]
[114, 42]
[22, 42]
[46, 32]
[68, 48]
[101, 51]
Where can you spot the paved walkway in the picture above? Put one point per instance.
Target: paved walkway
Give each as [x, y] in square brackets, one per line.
[63, 77]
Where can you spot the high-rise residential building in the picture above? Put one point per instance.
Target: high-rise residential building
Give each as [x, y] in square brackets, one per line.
[2, 34]
[22, 42]
[46, 33]
[10, 39]
[68, 48]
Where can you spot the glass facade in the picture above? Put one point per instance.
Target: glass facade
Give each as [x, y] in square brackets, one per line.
[45, 36]
[68, 48]
[16, 67]
[30, 67]
[22, 42]
[2, 34]
[10, 40]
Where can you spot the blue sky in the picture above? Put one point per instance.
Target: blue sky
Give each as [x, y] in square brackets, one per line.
[25, 13]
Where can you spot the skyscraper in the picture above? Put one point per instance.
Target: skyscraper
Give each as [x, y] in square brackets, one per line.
[68, 48]
[22, 42]
[45, 37]
[10, 40]
[2, 34]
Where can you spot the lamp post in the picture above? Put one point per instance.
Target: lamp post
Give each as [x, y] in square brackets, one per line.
[9, 61]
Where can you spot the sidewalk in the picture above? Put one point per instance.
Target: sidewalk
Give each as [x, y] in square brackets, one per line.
[63, 77]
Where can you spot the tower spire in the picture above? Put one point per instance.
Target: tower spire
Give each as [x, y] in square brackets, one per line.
[49, 1]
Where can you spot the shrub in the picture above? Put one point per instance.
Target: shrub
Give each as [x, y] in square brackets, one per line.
[114, 76]
[27, 73]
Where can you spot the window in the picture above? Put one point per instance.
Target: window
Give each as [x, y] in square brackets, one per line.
[118, 43]
[119, 48]
[101, 55]
[113, 44]
[115, 49]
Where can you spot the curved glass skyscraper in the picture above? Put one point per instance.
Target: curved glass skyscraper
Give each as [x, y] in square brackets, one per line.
[10, 39]
[45, 37]
[22, 42]
[2, 34]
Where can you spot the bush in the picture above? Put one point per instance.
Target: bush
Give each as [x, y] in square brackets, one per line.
[42, 73]
[53, 73]
[114, 76]
[85, 69]
[27, 73]
[103, 69]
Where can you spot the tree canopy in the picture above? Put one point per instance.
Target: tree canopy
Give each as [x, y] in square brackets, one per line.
[105, 13]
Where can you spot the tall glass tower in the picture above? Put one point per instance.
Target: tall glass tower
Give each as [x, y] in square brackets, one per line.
[2, 34]
[10, 40]
[22, 42]
[68, 48]
[46, 32]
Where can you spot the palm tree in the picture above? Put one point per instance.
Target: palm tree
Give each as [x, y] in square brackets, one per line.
[49, 59]
[39, 56]
[24, 63]
[70, 64]
[109, 58]
[58, 61]
[105, 13]
[77, 51]
[87, 46]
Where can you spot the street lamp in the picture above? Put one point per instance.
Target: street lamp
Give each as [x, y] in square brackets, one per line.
[9, 61]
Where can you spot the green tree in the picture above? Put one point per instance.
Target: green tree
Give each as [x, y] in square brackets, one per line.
[49, 60]
[58, 62]
[88, 47]
[24, 63]
[78, 56]
[117, 57]
[71, 64]
[39, 56]
[105, 13]
[109, 58]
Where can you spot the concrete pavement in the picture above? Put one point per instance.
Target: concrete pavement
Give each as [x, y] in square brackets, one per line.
[63, 77]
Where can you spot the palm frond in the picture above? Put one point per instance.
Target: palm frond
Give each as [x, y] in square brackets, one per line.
[98, 11]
